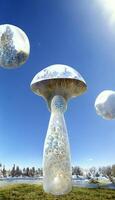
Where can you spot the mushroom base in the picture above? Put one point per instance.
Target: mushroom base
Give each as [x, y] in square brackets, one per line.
[57, 169]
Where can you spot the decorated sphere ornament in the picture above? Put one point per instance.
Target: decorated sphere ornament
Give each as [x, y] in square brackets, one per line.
[14, 46]
[105, 104]
[56, 84]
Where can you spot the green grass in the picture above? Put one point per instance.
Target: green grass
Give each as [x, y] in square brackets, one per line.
[35, 192]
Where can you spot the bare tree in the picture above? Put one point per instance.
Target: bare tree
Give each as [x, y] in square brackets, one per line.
[92, 170]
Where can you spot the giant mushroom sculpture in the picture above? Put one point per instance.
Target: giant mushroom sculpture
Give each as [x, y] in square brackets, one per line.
[57, 84]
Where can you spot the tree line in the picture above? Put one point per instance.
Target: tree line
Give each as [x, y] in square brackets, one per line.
[16, 171]
[94, 173]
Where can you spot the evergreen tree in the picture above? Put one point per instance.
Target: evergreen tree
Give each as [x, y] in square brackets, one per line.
[4, 171]
[33, 171]
[77, 171]
[24, 172]
[13, 171]
[18, 172]
[27, 171]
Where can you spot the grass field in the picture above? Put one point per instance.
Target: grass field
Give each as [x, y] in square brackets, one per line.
[35, 192]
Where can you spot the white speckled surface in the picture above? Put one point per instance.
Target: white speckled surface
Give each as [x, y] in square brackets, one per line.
[57, 71]
[57, 169]
[105, 104]
[14, 46]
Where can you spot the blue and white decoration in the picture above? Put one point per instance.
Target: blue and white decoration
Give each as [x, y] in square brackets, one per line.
[57, 71]
[14, 46]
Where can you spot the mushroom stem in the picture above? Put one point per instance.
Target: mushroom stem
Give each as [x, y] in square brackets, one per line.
[56, 158]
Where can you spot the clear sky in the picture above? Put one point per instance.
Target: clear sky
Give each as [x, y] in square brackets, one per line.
[79, 33]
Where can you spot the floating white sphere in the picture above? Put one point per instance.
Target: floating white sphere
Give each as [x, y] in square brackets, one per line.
[14, 46]
[105, 104]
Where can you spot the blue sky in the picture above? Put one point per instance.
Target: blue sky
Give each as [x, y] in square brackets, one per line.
[76, 33]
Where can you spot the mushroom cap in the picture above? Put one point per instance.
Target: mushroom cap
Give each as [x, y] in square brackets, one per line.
[58, 79]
